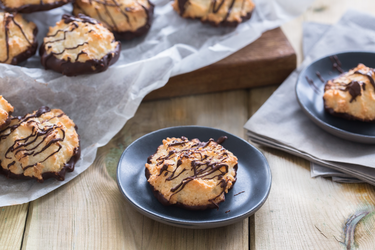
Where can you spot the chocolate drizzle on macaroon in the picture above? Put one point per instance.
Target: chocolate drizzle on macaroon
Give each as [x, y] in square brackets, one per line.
[31, 44]
[183, 162]
[40, 145]
[29, 8]
[123, 18]
[87, 56]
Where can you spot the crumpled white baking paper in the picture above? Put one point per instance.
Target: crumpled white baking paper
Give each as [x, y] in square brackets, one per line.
[101, 104]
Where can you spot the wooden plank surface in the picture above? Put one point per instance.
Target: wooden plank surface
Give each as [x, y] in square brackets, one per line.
[12, 225]
[268, 60]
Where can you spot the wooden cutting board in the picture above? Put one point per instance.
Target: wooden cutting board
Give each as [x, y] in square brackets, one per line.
[269, 60]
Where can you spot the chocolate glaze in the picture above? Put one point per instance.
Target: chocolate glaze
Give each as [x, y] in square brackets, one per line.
[336, 64]
[312, 84]
[124, 35]
[354, 89]
[29, 8]
[239, 193]
[320, 77]
[221, 140]
[224, 23]
[369, 76]
[69, 166]
[198, 173]
[68, 68]
[29, 52]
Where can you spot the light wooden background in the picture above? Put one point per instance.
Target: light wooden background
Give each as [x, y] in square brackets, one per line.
[300, 213]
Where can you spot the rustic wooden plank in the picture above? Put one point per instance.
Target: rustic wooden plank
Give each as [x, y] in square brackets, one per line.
[90, 212]
[269, 60]
[12, 225]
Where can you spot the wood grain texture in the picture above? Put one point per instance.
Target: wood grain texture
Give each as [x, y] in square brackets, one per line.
[12, 224]
[269, 60]
[90, 213]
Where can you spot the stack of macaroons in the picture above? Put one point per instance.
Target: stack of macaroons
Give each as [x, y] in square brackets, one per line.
[40, 145]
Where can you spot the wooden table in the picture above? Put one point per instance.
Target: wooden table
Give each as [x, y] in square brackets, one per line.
[300, 213]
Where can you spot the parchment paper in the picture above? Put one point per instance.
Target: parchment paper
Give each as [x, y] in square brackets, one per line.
[101, 104]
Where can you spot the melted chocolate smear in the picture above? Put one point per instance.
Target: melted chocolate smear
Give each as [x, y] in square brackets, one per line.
[221, 140]
[320, 76]
[354, 89]
[369, 76]
[312, 84]
[240, 193]
[336, 64]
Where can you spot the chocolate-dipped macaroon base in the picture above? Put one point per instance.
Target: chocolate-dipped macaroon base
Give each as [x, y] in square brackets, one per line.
[345, 115]
[78, 68]
[60, 176]
[128, 35]
[30, 8]
[28, 53]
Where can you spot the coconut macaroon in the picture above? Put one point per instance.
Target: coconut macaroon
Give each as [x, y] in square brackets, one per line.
[40, 145]
[79, 45]
[352, 95]
[29, 6]
[191, 174]
[17, 38]
[217, 13]
[5, 112]
[125, 18]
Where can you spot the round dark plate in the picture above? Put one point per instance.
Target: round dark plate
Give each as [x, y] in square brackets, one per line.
[253, 177]
[311, 99]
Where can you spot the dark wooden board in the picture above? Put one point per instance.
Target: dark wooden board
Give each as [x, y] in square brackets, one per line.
[268, 60]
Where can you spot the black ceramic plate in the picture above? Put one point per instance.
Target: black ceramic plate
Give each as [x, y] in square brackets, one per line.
[311, 99]
[253, 177]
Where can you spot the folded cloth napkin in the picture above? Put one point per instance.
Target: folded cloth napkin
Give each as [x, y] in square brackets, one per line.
[280, 123]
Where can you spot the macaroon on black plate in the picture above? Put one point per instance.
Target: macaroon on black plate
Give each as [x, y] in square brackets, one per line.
[310, 96]
[253, 180]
